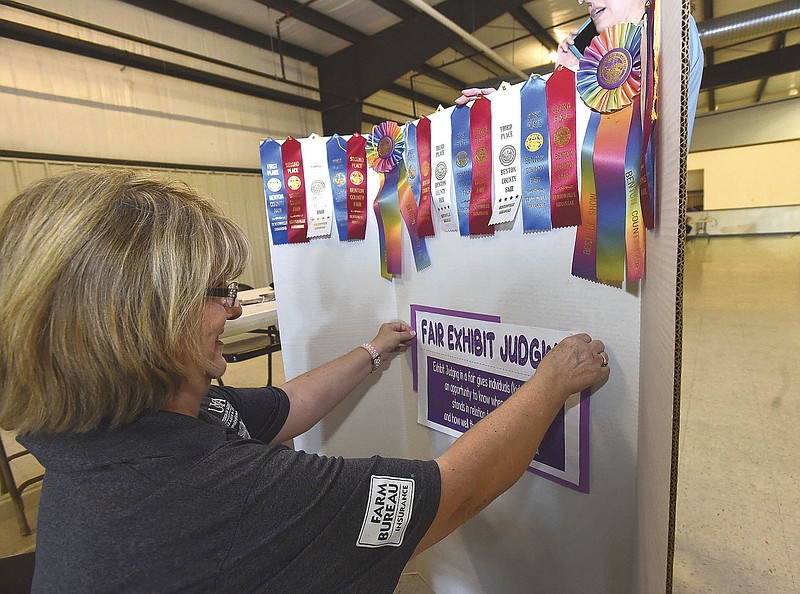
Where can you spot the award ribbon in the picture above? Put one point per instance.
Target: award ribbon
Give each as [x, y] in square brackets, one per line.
[442, 182]
[505, 104]
[318, 186]
[534, 150]
[462, 164]
[275, 196]
[609, 80]
[609, 174]
[560, 89]
[336, 149]
[356, 187]
[425, 217]
[412, 159]
[647, 185]
[480, 140]
[385, 148]
[295, 190]
[585, 254]
[634, 226]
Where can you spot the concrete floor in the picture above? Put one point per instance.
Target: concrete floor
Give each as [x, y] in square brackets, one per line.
[738, 515]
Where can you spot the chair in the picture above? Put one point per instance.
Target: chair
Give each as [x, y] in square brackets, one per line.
[8, 485]
[256, 343]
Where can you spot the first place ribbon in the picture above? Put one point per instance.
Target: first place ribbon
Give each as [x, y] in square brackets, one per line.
[274, 190]
[534, 149]
[336, 148]
[295, 190]
[462, 164]
[565, 207]
[480, 139]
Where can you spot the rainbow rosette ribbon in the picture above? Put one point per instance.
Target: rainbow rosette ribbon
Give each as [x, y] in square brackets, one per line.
[385, 147]
[610, 72]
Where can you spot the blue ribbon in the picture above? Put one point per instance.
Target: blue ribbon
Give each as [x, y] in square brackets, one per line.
[534, 159]
[412, 161]
[462, 165]
[336, 148]
[274, 190]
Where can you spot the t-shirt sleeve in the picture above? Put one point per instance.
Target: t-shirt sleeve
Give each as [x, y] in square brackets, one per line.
[262, 410]
[329, 524]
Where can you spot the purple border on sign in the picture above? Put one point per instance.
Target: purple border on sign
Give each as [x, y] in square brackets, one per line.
[583, 429]
[583, 451]
[444, 312]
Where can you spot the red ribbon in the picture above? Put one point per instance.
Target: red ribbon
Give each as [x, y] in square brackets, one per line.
[480, 139]
[424, 215]
[356, 187]
[295, 190]
[564, 203]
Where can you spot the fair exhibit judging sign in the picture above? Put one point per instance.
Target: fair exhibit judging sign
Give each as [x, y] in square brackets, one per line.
[467, 364]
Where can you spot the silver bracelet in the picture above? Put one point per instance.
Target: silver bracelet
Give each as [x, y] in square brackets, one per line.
[373, 352]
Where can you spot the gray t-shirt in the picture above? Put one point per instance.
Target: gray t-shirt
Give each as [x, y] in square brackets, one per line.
[176, 503]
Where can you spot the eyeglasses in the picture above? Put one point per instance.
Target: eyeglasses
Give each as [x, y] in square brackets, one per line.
[230, 293]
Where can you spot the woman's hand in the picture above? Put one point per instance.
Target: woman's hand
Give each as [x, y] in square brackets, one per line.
[468, 95]
[393, 337]
[565, 55]
[574, 364]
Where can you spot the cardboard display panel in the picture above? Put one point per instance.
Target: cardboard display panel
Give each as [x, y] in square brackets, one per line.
[613, 538]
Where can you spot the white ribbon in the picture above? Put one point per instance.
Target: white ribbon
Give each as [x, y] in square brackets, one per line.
[319, 196]
[505, 152]
[442, 175]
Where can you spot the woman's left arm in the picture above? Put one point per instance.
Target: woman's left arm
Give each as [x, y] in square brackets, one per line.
[315, 393]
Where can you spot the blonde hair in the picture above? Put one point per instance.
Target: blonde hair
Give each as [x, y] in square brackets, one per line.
[103, 281]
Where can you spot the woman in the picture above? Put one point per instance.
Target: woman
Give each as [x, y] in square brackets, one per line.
[104, 372]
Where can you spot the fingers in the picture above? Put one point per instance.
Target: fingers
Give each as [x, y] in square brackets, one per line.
[468, 95]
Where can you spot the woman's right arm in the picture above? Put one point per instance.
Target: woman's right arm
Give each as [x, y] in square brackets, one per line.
[489, 458]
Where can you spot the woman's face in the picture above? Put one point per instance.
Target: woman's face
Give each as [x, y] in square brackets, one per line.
[215, 314]
[606, 13]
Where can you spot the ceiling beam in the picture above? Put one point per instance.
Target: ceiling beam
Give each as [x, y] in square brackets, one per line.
[73, 45]
[752, 68]
[778, 43]
[542, 35]
[203, 20]
[708, 14]
[316, 19]
[477, 58]
[364, 68]
[412, 95]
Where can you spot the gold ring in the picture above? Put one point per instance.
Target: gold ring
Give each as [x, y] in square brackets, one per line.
[604, 357]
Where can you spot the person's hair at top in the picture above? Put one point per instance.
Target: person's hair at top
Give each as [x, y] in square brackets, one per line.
[104, 275]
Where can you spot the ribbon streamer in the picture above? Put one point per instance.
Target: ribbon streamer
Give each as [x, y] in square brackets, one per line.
[564, 204]
[295, 190]
[441, 147]
[634, 226]
[462, 165]
[585, 253]
[534, 155]
[356, 187]
[274, 190]
[319, 195]
[385, 149]
[336, 149]
[480, 140]
[425, 216]
[609, 175]
[505, 103]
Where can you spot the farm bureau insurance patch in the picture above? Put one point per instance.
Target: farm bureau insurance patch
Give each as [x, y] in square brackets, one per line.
[389, 507]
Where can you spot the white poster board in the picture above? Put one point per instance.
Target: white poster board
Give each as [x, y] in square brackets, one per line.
[539, 536]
